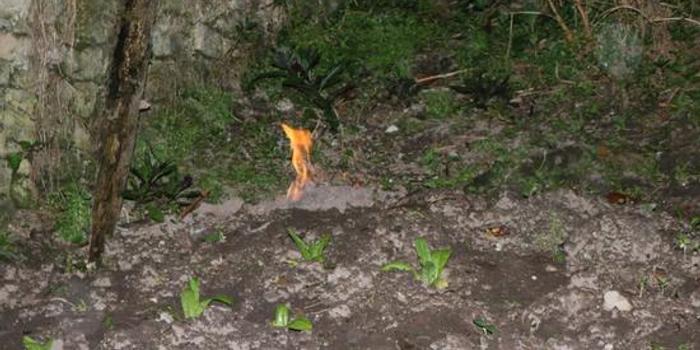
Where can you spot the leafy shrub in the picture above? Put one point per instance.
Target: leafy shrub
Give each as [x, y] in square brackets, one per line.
[299, 73]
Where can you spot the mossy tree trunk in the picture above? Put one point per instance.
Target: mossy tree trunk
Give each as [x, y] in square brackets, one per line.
[116, 126]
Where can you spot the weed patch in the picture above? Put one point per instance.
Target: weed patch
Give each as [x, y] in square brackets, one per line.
[73, 222]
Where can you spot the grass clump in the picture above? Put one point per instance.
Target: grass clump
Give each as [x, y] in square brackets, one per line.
[440, 104]
[552, 239]
[7, 247]
[74, 218]
[432, 263]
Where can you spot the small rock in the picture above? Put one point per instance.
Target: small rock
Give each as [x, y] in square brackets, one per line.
[144, 105]
[165, 317]
[392, 129]
[614, 300]
[340, 311]
[284, 105]
[57, 344]
[102, 282]
[505, 202]
[401, 298]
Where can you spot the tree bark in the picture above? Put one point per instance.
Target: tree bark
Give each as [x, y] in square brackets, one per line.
[116, 129]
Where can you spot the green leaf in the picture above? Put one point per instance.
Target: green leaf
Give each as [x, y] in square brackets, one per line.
[328, 81]
[224, 299]
[301, 245]
[189, 299]
[214, 237]
[440, 257]
[484, 326]
[26, 145]
[281, 316]
[423, 251]
[300, 324]
[154, 213]
[14, 160]
[695, 222]
[429, 273]
[318, 248]
[397, 266]
[31, 344]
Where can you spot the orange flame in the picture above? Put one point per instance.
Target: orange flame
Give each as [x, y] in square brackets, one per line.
[300, 142]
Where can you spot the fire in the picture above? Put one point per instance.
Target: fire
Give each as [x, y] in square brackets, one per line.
[300, 142]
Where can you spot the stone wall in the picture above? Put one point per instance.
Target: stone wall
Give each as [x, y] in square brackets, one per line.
[54, 55]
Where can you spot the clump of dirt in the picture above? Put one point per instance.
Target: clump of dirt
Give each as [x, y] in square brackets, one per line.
[560, 270]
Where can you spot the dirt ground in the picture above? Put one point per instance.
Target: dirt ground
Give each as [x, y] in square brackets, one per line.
[618, 283]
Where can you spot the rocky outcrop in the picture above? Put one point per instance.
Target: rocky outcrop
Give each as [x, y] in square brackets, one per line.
[54, 56]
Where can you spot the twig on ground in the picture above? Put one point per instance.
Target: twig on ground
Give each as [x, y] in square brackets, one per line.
[195, 204]
[646, 17]
[431, 78]
[568, 35]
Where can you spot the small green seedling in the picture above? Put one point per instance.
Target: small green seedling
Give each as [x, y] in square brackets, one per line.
[432, 263]
[31, 344]
[300, 323]
[695, 223]
[485, 326]
[215, 237]
[683, 242]
[192, 306]
[311, 251]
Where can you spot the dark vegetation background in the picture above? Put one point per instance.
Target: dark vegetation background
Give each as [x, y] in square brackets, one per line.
[599, 96]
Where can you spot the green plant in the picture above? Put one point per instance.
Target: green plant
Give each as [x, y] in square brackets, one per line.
[74, 219]
[484, 326]
[282, 320]
[14, 161]
[552, 240]
[192, 306]
[695, 223]
[152, 179]
[313, 251]
[683, 242]
[440, 104]
[215, 237]
[7, 248]
[154, 212]
[31, 344]
[299, 73]
[432, 263]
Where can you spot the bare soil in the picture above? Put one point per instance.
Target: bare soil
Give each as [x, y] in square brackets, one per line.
[512, 281]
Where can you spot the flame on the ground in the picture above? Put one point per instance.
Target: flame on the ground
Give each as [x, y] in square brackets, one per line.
[300, 142]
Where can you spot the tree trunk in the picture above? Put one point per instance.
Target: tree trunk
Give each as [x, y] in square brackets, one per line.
[116, 129]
